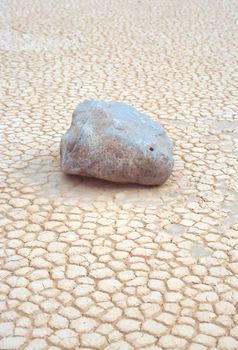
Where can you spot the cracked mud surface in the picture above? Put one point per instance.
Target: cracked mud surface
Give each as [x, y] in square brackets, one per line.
[86, 264]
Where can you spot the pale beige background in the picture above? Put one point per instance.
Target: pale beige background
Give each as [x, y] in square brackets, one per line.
[86, 264]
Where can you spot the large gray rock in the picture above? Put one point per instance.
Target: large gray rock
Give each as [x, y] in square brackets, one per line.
[115, 142]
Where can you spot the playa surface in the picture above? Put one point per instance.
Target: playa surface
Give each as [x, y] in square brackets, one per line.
[88, 264]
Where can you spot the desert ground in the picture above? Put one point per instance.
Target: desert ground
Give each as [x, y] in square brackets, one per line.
[87, 264]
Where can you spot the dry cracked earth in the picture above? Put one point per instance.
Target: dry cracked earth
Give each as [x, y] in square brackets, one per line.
[86, 264]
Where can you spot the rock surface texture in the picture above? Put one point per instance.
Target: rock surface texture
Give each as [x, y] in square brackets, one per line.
[113, 141]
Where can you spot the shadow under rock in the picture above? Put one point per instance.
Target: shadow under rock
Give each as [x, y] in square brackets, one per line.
[93, 188]
[90, 182]
[49, 181]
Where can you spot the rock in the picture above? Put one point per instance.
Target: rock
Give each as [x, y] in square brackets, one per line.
[113, 141]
